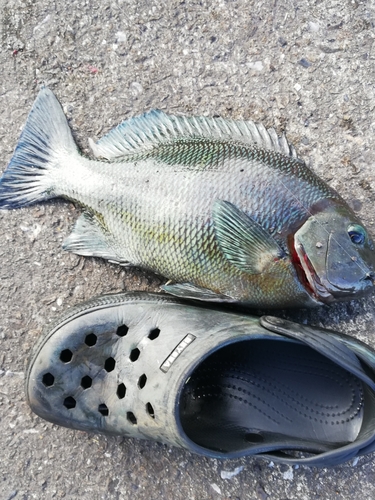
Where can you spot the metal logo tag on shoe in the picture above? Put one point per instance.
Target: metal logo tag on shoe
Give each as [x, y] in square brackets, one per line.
[185, 342]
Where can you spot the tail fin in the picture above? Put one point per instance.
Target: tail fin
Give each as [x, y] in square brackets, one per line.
[45, 137]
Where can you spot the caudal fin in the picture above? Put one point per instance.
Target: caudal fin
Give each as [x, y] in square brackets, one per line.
[44, 139]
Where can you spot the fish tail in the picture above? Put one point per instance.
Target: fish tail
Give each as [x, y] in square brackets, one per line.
[45, 140]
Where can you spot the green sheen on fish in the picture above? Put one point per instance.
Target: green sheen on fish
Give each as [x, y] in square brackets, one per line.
[224, 209]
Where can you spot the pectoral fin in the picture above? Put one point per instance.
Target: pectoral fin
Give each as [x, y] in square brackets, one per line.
[89, 238]
[243, 241]
[189, 291]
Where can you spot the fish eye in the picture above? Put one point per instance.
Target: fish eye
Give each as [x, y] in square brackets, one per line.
[357, 234]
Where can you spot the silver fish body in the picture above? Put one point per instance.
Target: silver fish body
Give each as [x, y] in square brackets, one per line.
[223, 209]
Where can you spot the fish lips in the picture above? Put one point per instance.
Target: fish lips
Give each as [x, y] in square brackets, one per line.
[346, 270]
[343, 276]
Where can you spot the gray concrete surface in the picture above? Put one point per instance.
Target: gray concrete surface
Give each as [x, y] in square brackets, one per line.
[303, 66]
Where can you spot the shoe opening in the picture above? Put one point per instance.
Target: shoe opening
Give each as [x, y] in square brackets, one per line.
[270, 395]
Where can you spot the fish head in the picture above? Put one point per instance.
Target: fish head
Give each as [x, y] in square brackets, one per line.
[334, 255]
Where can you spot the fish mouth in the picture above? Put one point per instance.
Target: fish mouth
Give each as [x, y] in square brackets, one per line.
[308, 275]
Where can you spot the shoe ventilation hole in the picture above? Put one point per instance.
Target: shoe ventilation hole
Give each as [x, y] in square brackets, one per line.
[150, 410]
[134, 355]
[122, 330]
[103, 409]
[154, 334]
[69, 402]
[142, 381]
[253, 437]
[86, 382]
[91, 339]
[121, 391]
[48, 379]
[66, 355]
[109, 365]
[131, 417]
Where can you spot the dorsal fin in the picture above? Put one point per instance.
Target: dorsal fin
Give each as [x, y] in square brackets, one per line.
[143, 133]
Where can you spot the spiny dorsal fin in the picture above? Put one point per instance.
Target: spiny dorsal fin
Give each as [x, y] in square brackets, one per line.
[142, 133]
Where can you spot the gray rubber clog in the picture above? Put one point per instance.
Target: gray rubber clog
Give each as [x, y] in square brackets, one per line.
[217, 383]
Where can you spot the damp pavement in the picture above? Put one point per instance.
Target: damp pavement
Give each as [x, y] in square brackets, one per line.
[303, 67]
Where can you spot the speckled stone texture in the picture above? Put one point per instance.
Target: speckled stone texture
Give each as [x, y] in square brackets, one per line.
[304, 67]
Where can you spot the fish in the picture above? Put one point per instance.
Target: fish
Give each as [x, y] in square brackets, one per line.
[224, 209]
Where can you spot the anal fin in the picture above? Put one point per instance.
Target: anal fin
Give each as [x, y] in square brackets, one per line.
[89, 238]
[190, 291]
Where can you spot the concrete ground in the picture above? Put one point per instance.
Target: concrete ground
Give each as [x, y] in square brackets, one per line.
[304, 67]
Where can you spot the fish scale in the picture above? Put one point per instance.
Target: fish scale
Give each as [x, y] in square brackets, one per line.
[224, 209]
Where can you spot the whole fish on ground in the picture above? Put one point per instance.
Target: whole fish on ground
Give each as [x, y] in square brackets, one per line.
[224, 209]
